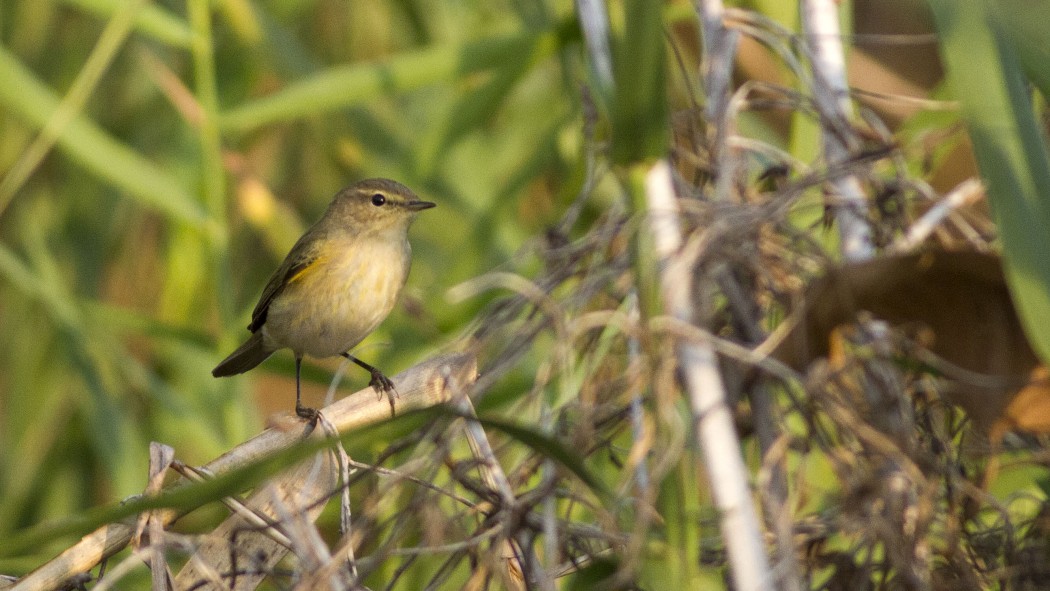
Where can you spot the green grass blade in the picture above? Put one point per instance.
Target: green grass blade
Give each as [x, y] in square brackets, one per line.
[152, 21]
[192, 495]
[550, 447]
[1028, 24]
[353, 84]
[639, 107]
[468, 114]
[986, 76]
[93, 148]
[101, 57]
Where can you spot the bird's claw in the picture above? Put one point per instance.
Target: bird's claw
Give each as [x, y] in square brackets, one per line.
[382, 384]
[310, 414]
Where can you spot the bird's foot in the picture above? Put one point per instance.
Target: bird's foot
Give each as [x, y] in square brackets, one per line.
[382, 385]
[310, 414]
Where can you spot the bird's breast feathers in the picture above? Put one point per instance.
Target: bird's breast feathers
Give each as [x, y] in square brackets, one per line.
[332, 304]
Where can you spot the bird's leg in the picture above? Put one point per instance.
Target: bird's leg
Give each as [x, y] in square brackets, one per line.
[379, 382]
[309, 414]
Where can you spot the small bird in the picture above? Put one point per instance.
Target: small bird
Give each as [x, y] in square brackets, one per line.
[340, 280]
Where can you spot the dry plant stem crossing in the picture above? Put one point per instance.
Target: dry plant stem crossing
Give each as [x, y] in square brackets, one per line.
[425, 385]
[966, 193]
[774, 486]
[713, 422]
[521, 557]
[240, 545]
[719, 45]
[831, 94]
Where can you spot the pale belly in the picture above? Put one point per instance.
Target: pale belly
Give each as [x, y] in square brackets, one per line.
[332, 309]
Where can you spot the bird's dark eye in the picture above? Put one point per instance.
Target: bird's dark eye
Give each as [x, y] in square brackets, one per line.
[378, 199]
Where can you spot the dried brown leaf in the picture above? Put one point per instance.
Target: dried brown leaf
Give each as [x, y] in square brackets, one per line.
[958, 305]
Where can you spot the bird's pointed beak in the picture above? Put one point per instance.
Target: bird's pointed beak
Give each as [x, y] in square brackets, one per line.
[419, 205]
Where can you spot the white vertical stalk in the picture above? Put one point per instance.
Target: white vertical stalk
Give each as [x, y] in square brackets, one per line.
[820, 20]
[719, 47]
[715, 433]
[637, 413]
[595, 24]
[719, 54]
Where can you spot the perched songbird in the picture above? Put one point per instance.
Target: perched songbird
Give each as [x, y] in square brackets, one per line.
[340, 280]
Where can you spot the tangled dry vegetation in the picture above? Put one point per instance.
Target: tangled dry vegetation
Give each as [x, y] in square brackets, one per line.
[878, 480]
[866, 478]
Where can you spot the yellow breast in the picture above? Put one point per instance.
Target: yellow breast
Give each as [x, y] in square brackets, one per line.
[338, 300]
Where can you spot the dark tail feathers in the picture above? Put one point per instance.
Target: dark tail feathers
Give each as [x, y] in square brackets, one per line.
[247, 356]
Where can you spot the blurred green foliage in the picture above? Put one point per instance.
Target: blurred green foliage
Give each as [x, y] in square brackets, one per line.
[992, 58]
[207, 136]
